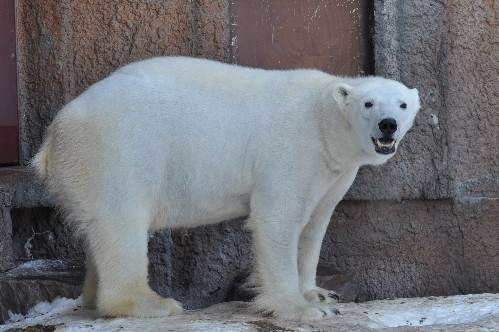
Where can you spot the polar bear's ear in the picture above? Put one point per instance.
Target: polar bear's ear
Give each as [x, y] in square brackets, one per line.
[415, 94]
[341, 92]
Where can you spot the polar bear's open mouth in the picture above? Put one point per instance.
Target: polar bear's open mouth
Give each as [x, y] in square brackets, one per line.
[384, 145]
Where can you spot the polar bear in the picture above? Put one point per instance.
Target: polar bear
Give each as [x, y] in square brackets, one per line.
[180, 142]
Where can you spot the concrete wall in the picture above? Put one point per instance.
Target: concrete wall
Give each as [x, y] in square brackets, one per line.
[425, 223]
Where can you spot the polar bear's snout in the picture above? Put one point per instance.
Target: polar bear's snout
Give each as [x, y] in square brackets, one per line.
[386, 143]
[387, 127]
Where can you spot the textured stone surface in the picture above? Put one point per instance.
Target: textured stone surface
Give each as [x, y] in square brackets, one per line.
[448, 50]
[206, 262]
[198, 267]
[41, 233]
[65, 46]
[472, 98]
[19, 295]
[415, 248]
[18, 189]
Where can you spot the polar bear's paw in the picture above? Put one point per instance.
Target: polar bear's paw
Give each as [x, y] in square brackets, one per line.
[294, 308]
[321, 295]
[148, 306]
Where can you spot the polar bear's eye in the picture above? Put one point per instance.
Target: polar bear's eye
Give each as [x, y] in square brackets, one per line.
[368, 104]
[403, 105]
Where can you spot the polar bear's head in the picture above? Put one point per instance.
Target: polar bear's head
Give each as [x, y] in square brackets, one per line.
[380, 112]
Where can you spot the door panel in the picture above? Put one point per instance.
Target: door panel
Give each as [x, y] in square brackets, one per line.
[9, 122]
[333, 36]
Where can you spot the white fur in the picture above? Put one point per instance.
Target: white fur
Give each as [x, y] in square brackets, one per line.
[182, 142]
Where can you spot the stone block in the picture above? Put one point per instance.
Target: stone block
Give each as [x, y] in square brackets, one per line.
[199, 266]
[35, 281]
[18, 190]
[415, 248]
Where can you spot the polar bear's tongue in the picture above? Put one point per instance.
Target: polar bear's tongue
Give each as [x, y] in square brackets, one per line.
[384, 145]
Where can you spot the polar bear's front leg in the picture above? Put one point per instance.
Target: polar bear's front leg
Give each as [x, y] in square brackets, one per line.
[275, 245]
[119, 250]
[308, 256]
[311, 238]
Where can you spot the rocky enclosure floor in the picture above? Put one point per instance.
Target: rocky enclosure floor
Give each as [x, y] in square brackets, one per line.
[453, 313]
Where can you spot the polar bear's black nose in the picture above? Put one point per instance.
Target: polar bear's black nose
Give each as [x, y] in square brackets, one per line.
[388, 126]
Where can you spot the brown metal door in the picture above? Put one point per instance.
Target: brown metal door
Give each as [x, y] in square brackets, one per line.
[9, 122]
[333, 36]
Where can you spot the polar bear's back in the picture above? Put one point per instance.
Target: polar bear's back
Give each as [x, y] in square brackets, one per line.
[176, 91]
[197, 69]
[163, 127]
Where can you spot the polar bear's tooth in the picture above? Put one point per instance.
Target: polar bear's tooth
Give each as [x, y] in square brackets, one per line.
[392, 144]
[378, 143]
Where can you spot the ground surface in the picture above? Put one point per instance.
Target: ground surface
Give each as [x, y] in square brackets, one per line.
[455, 313]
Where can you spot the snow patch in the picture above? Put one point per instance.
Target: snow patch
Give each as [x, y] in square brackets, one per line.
[44, 310]
[459, 309]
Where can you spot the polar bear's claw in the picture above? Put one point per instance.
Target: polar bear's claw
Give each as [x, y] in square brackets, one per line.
[321, 295]
[334, 295]
[329, 311]
[294, 308]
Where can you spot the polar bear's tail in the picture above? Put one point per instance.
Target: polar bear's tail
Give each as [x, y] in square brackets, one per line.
[40, 161]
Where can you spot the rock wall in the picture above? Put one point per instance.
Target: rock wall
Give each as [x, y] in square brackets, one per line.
[415, 248]
[64, 46]
[449, 51]
[427, 221]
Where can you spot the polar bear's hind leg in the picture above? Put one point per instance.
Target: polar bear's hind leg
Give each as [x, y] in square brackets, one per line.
[119, 245]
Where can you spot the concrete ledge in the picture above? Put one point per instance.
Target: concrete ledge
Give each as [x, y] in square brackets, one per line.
[20, 189]
[40, 280]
